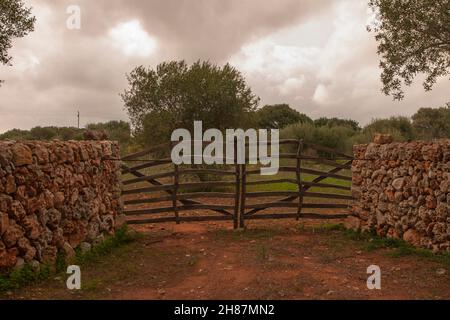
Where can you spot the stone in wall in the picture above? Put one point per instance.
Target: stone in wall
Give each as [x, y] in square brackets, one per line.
[402, 190]
[54, 197]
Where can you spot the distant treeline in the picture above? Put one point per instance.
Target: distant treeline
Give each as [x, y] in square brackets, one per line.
[117, 130]
[341, 134]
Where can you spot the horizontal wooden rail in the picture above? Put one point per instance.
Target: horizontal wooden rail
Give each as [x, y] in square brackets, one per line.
[148, 189]
[294, 215]
[149, 177]
[305, 194]
[149, 164]
[271, 181]
[325, 174]
[270, 194]
[207, 171]
[312, 184]
[181, 219]
[327, 195]
[283, 204]
[179, 208]
[169, 191]
[206, 184]
[181, 196]
[182, 199]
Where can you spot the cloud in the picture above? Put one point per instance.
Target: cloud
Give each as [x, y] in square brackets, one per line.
[314, 54]
[132, 40]
[335, 58]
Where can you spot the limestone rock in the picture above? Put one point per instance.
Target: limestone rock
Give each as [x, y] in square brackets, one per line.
[4, 223]
[404, 190]
[55, 196]
[21, 155]
[69, 253]
[381, 138]
[412, 236]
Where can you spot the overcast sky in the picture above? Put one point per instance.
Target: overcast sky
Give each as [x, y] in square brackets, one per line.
[315, 55]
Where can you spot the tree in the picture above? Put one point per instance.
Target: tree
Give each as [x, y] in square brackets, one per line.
[399, 127]
[432, 123]
[336, 122]
[336, 137]
[15, 22]
[181, 94]
[279, 116]
[117, 130]
[413, 37]
[44, 133]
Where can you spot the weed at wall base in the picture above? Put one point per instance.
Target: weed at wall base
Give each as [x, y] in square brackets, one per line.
[27, 275]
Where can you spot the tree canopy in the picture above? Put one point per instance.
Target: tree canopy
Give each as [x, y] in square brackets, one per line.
[432, 123]
[413, 38]
[175, 95]
[336, 122]
[279, 116]
[16, 21]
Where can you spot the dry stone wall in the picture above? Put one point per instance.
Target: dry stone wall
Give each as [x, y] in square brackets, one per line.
[402, 190]
[54, 197]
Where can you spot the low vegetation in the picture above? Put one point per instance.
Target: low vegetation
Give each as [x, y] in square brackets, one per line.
[27, 275]
[370, 242]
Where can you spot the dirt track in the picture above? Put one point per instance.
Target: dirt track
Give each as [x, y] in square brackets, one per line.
[271, 260]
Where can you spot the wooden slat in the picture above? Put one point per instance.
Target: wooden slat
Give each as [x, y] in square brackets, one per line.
[326, 174]
[307, 171]
[149, 177]
[157, 183]
[328, 162]
[327, 195]
[257, 182]
[325, 185]
[284, 204]
[148, 164]
[182, 196]
[266, 194]
[207, 171]
[148, 200]
[325, 205]
[294, 215]
[180, 208]
[148, 189]
[299, 178]
[206, 184]
[182, 219]
[280, 204]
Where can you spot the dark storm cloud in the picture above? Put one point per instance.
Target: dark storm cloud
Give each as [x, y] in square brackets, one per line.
[313, 54]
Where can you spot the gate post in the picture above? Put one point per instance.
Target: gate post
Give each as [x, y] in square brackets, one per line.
[237, 198]
[299, 178]
[243, 190]
[175, 193]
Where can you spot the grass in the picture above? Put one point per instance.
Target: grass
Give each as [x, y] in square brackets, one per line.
[262, 252]
[397, 247]
[26, 275]
[284, 186]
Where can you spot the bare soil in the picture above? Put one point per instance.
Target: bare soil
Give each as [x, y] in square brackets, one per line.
[269, 260]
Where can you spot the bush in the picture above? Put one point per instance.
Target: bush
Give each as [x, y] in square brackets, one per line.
[337, 137]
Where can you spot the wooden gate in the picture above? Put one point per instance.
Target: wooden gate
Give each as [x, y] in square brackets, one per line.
[313, 182]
